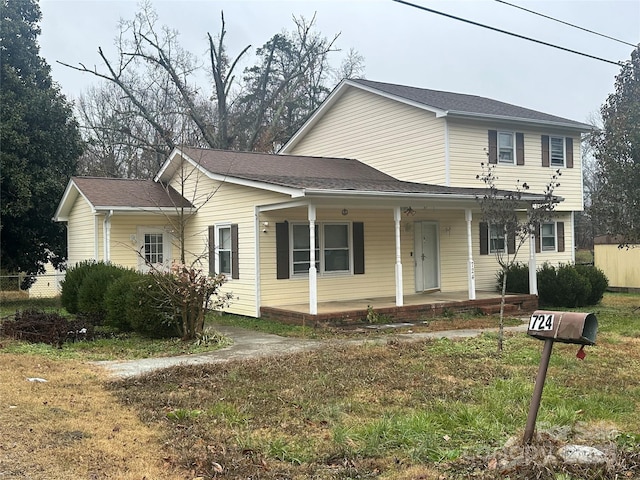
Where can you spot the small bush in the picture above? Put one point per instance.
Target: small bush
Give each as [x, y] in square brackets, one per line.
[148, 310]
[563, 286]
[72, 282]
[37, 326]
[116, 301]
[93, 288]
[517, 279]
[598, 280]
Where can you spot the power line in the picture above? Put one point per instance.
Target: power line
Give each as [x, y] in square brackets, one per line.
[566, 23]
[420, 7]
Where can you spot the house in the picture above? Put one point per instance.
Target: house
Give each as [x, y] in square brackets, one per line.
[374, 197]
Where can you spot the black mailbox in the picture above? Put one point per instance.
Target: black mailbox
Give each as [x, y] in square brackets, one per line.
[565, 327]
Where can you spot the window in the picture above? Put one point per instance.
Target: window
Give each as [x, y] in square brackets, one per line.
[302, 249]
[506, 147]
[332, 252]
[496, 238]
[224, 250]
[556, 151]
[153, 248]
[548, 235]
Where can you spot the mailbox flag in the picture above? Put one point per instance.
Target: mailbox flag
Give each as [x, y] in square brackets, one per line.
[581, 353]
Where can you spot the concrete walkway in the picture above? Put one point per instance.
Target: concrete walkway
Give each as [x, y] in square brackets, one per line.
[252, 344]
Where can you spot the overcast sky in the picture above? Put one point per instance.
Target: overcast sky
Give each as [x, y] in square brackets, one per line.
[400, 44]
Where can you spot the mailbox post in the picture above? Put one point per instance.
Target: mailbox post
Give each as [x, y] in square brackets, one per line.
[565, 327]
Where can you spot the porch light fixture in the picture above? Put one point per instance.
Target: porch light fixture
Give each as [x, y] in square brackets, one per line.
[345, 212]
[409, 212]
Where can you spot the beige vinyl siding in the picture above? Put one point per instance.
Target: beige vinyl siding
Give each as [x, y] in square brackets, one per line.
[126, 241]
[486, 266]
[619, 265]
[469, 146]
[400, 140]
[228, 203]
[80, 233]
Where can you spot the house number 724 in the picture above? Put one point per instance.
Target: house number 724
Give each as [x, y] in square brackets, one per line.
[541, 322]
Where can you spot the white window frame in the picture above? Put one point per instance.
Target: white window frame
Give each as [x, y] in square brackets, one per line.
[218, 229]
[496, 233]
[141, 233]
[512, 149]
[321, 249]
[554, 236]
[564, 151]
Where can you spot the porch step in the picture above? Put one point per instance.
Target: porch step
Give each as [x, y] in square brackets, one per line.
[493, 309]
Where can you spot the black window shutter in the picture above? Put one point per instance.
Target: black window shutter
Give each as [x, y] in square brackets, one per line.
[235, 264]
[519, 148]
[560, 234]
[569, 150]
[358, 248]
[511, 244]
[545, 150]
[282, 250]
[484, 238]
[493, 146]
[538, 241]
[212, 250]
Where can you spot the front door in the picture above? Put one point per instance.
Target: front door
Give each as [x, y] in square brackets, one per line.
[426, 256]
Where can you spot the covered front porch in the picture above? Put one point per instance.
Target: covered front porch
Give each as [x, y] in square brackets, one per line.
[416, 307]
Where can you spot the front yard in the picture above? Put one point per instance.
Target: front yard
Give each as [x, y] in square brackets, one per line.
[430, 409]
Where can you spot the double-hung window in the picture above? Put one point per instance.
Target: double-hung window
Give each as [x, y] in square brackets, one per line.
[302, 248]
[496, 238]
[224, 249]
[557, 151]
[548, 236]
[332, 249]
[506, 147]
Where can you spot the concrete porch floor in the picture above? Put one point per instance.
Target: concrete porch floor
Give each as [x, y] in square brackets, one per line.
[416, 306]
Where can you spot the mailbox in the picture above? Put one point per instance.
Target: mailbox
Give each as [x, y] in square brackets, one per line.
[565, 327]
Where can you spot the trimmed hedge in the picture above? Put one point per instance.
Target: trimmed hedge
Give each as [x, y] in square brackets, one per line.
[148, 311]
[562, 286]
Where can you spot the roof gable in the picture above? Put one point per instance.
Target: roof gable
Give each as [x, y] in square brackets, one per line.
[119, 194]
[443, 104]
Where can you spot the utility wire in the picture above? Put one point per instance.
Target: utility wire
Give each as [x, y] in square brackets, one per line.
[420, 7]
[566, 23]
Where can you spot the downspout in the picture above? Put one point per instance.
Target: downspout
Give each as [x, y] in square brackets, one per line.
[96, 239]
[572, 237]
[106, 234]
[533, 268]
[447, 164]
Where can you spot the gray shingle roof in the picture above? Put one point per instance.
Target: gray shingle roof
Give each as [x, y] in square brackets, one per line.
[120, 192]
[459, 103]
[314, 173]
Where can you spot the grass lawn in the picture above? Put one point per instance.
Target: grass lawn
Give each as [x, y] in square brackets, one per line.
[429, 409]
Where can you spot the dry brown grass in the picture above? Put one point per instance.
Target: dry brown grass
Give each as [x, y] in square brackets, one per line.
[70, 427]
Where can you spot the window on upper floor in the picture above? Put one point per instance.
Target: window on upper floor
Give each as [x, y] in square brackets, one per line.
[557, 151]
[506, 147]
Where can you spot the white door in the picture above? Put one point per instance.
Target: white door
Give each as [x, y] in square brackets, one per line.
[154, 247]
[426, 256]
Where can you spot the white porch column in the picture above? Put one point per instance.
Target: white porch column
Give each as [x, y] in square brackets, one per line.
[399, 296]
[313, 271]
[471, 269]
[533, 279]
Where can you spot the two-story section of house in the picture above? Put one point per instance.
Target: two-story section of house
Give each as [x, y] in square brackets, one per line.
[441, 138]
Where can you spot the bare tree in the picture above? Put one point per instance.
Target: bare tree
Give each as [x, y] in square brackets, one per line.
[516, 218]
